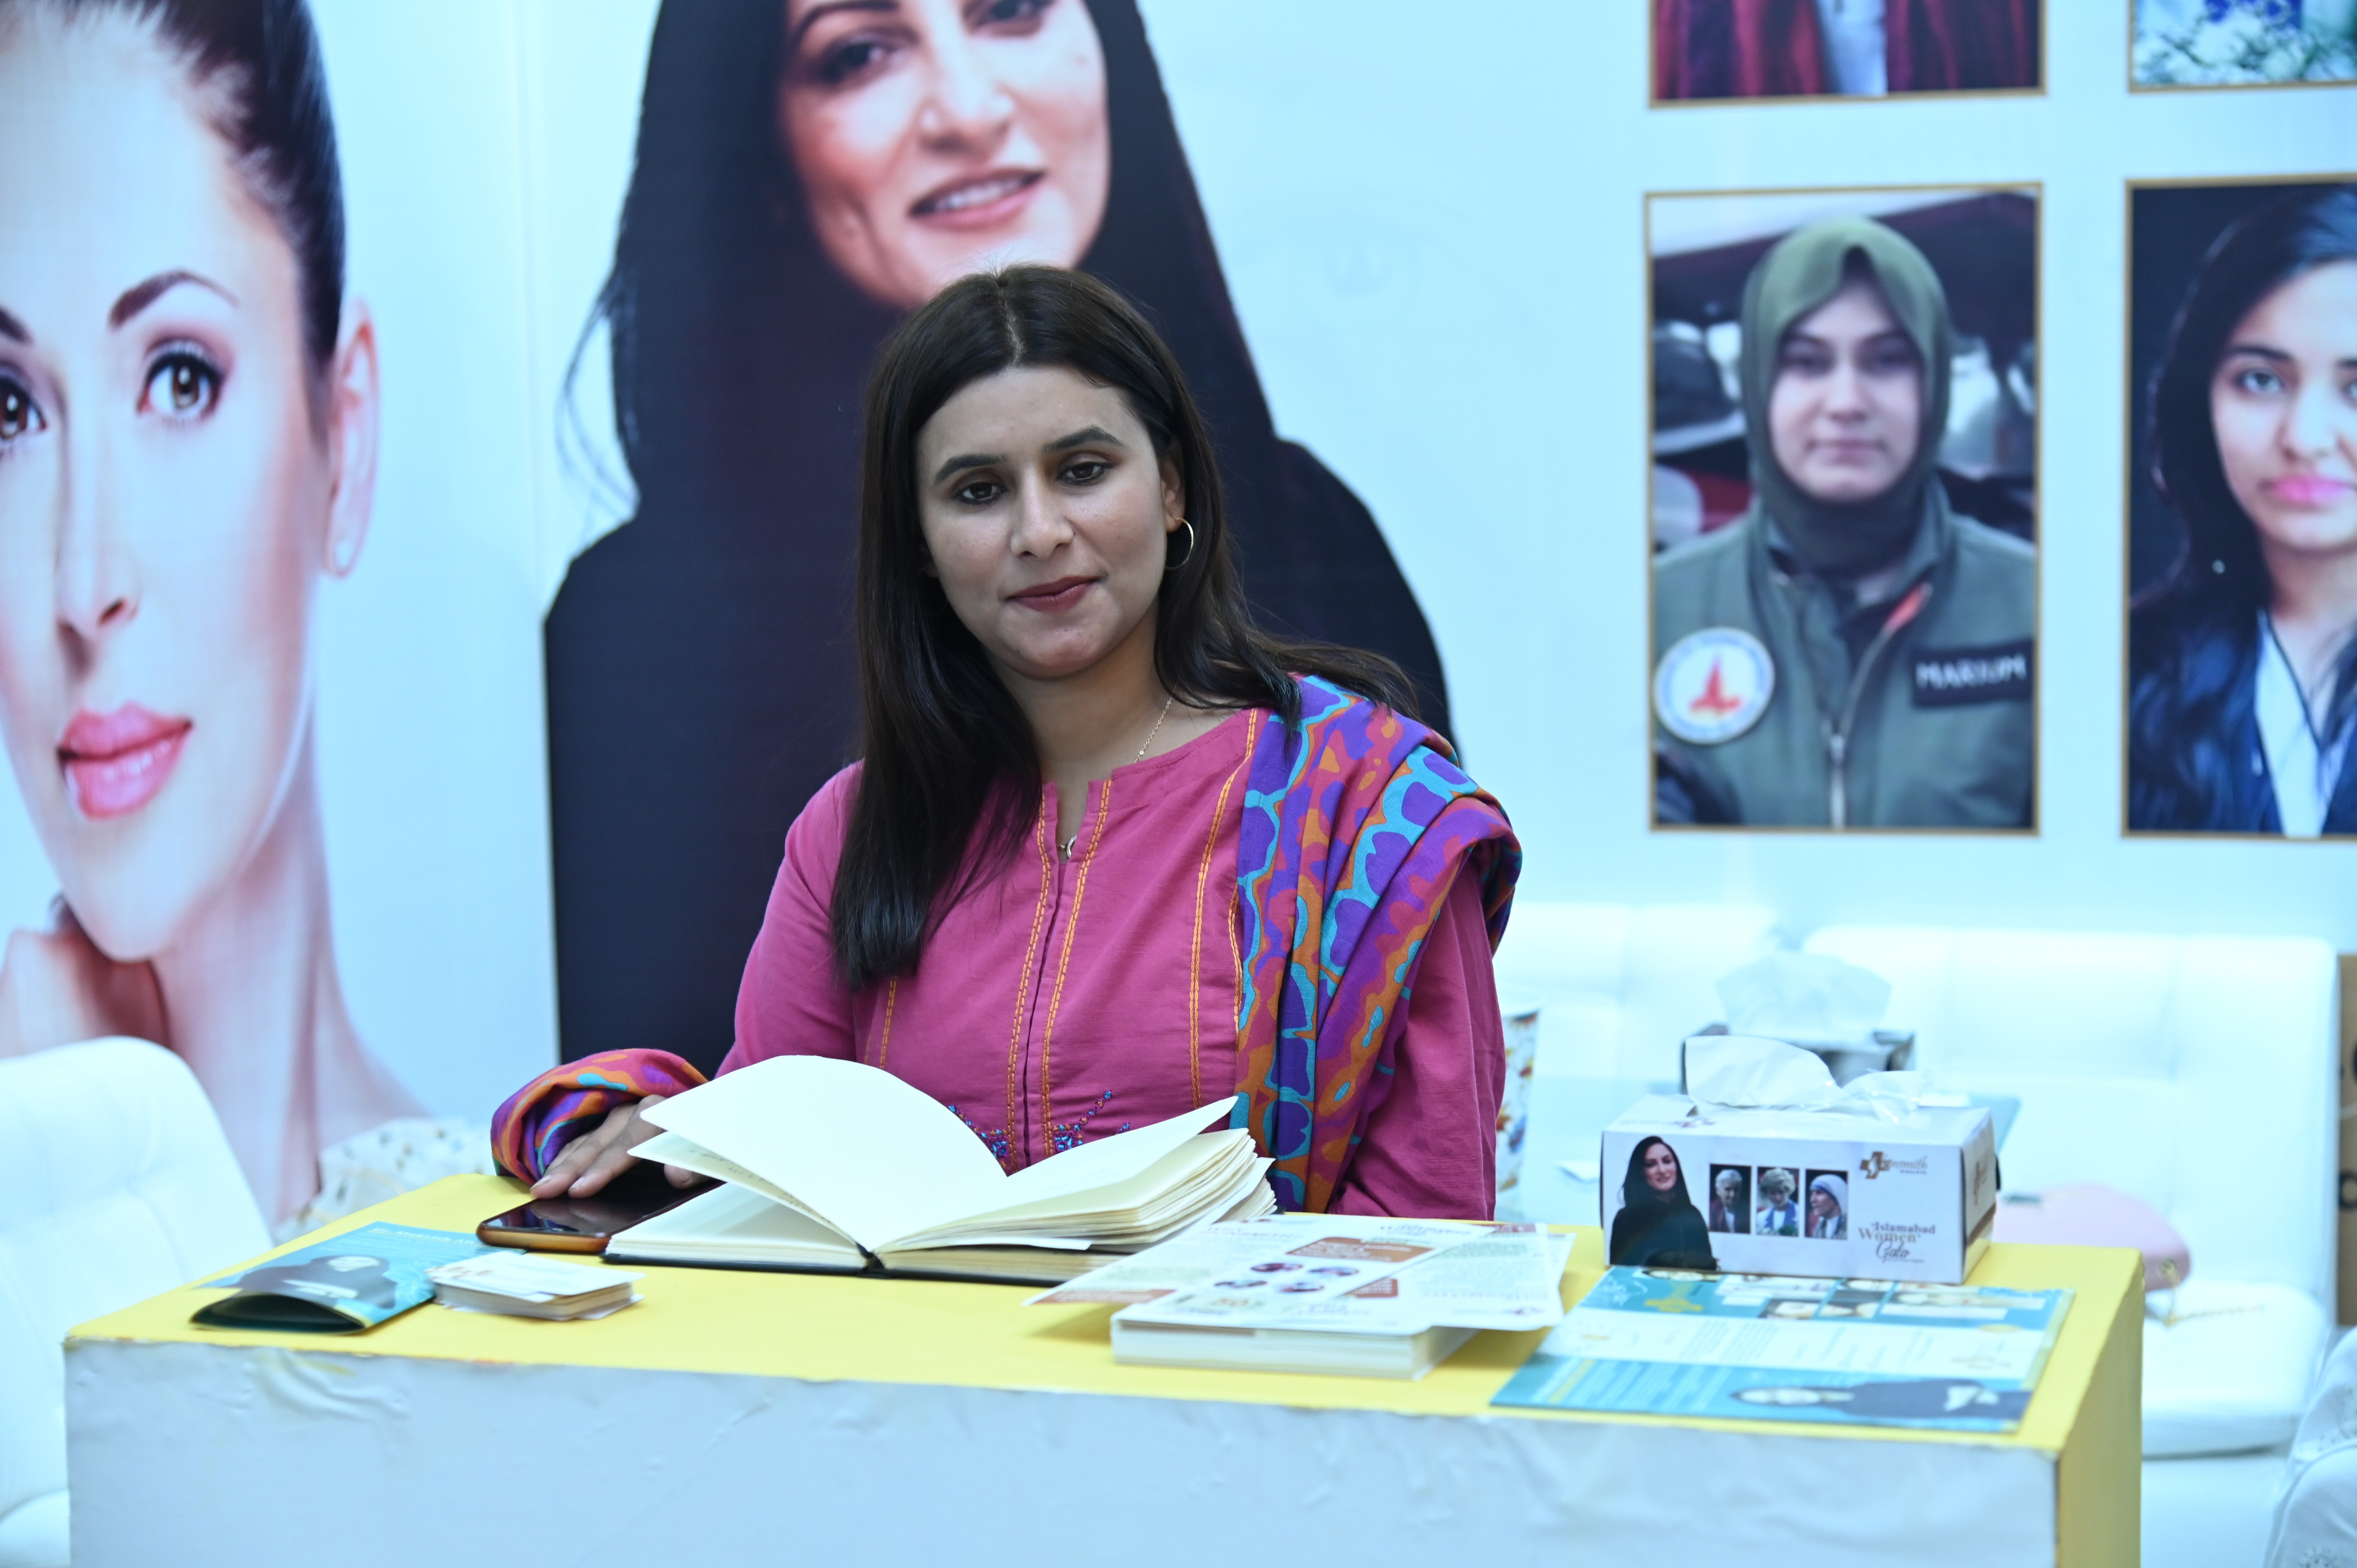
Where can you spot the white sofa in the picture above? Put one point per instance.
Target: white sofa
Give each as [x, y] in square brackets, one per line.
[2198, 1074]
[116, 1183]
[1620, 985]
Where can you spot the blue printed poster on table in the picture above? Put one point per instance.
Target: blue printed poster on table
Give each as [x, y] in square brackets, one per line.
[1759, 1347]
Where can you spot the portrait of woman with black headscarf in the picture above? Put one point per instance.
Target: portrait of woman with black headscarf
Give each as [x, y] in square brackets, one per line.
[1851, 650]
[807, 171]
[1658, 1225]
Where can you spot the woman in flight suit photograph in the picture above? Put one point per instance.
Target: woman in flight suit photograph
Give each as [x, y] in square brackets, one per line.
[808, 171]
[2243, 647]
[1851, 651]
[189, 411]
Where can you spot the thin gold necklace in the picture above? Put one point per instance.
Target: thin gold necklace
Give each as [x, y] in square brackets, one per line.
[1065, 849]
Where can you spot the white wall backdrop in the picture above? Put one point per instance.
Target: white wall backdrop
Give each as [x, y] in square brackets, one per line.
[1433, 227]
[1433, 224]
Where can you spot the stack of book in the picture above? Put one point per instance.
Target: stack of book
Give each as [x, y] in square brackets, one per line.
[1318, 1292]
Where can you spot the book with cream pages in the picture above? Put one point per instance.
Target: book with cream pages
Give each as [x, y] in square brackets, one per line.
[833, 1166]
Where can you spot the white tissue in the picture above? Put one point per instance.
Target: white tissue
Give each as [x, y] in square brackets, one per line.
[1804, 998]
[1744, 1072]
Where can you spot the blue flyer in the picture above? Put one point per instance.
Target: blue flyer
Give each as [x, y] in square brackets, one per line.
[1766, 1348]
[341, 1285]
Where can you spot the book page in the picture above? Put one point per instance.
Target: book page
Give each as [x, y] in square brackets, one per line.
[873, 1157]
[1119, 1175]
[732, 1222]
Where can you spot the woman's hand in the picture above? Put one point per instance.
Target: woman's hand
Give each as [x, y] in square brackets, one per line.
[593, 1159]
[55, 988]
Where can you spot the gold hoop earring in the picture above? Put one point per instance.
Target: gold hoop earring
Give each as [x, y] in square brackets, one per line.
[1190, 547]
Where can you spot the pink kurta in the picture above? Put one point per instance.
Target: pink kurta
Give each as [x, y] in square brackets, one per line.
[1065, 1000]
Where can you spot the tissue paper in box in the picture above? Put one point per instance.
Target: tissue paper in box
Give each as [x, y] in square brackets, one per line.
[1866, 1182]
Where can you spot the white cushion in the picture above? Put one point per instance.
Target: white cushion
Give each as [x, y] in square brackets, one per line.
[2316, 1514]
[34, 1534]
[2230, 1368]
[115, 1184]
[1620, 985]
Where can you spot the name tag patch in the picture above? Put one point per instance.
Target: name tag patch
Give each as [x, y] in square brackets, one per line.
[1952, 677]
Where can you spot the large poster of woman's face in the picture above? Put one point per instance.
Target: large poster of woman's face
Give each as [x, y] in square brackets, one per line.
[2242, 565]
[807, 171]
[1850, 48]
[190, 520]
[1845, 508]
[2243, 43]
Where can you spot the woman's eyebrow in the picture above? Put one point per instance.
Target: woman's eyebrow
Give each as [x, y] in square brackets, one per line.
[14, 330]
[2258, 351]
[967, 460]
[140, 295]
[1087, 436]
[794, 41]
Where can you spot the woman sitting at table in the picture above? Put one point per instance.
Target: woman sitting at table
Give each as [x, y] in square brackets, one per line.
[1112, 851]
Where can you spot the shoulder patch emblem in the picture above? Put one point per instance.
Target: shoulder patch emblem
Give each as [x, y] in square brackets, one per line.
[1713, 686]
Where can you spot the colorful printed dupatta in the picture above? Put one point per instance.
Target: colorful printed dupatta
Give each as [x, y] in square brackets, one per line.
[532, 1128]
[1356, 822]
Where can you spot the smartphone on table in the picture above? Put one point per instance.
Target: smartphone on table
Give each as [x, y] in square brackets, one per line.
[586, 1224]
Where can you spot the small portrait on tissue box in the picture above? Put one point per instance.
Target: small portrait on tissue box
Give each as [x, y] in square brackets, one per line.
[1828, 1206]
[1731, 1199]
[1658, 1225]
[1780, 1211]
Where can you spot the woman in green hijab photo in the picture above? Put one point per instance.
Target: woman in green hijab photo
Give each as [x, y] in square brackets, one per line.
[1850, 652]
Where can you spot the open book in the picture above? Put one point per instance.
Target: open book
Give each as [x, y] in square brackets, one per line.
[833, 1166]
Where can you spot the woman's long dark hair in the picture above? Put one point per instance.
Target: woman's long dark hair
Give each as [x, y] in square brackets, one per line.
[1637, 1193]
[264, 90]
[945, 741]
[702, 682]
[2180, 766]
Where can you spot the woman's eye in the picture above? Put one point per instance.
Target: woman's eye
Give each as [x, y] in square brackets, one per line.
[1087, 471]
[2259, 382]
[1006, 15]
[1891, 359]
[981, 492]
[848, 58]
[1804, 361]
[19, 414]
[182, 386]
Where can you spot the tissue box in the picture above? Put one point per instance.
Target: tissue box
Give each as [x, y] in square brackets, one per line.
[1803, 1192]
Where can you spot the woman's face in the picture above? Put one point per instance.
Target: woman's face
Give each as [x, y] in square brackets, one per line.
[1660, 1168]
[938, 137]
[167, 501]
[1846, 413]
[1822, 1204]
[2283, 404]
[1047, 515]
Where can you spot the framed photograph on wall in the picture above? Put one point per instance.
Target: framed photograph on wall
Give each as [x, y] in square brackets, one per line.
[1844, 508]
[2241, 43]
[1738, 50]
[2242, 533]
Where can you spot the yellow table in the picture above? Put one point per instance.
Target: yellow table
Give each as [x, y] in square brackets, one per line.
[746, 1417]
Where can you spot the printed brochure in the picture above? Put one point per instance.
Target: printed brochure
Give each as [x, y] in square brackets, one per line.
[1768, 1348]
[347, 1283]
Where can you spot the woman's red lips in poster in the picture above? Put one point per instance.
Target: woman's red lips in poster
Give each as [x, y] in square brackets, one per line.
[114, 763]
[1060, 595]
[978, 200]
[2308, 489]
